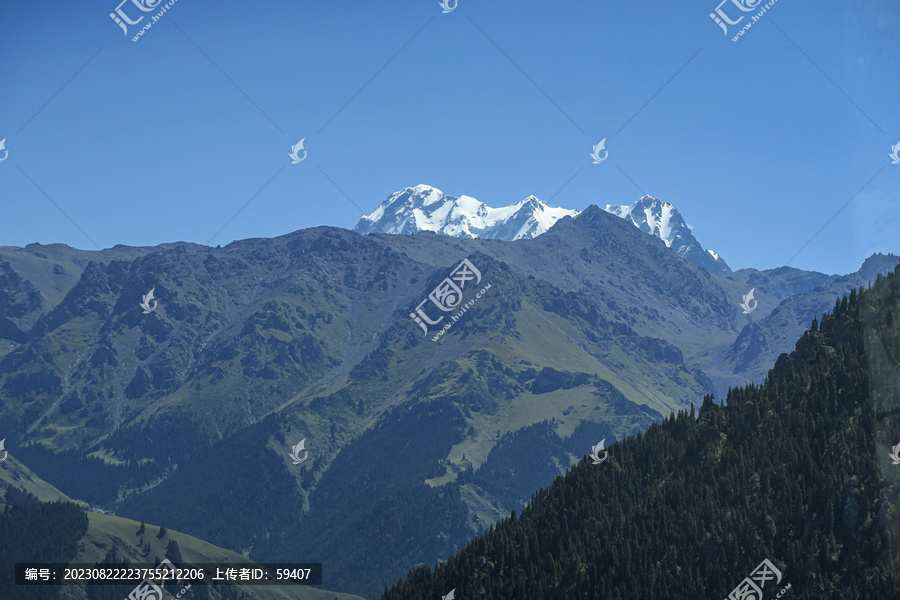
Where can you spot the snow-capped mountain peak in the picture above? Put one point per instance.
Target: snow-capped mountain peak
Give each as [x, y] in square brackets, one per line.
[425, 208]
[663, 220]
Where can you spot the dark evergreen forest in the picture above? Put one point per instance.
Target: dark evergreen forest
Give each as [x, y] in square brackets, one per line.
[96, 481]
[32, 531]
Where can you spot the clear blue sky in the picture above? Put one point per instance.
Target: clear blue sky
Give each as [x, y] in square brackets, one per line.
[758, 143]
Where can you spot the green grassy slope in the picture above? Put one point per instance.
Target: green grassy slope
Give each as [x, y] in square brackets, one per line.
[15, 474]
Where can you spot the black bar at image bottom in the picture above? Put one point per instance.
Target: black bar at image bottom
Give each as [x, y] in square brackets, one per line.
[167, 573]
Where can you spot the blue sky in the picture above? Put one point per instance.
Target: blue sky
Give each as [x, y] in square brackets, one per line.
[759, 143]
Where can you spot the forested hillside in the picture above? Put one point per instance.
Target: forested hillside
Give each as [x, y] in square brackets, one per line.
[36, 532]
[796, 471]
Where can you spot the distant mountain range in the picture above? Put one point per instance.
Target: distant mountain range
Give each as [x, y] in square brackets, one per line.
[424, 208]
[805, 296]
[185, 416]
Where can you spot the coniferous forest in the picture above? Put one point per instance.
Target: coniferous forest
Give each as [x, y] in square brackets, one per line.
[32, 531]
[796, 471]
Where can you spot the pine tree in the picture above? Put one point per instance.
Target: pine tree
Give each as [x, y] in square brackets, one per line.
[173, 552]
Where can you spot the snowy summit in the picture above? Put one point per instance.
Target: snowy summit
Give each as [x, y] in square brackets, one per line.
[424, 208]
[662, 220]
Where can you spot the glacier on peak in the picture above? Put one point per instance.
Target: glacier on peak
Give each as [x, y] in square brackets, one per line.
[662, 219]
[426, 208]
